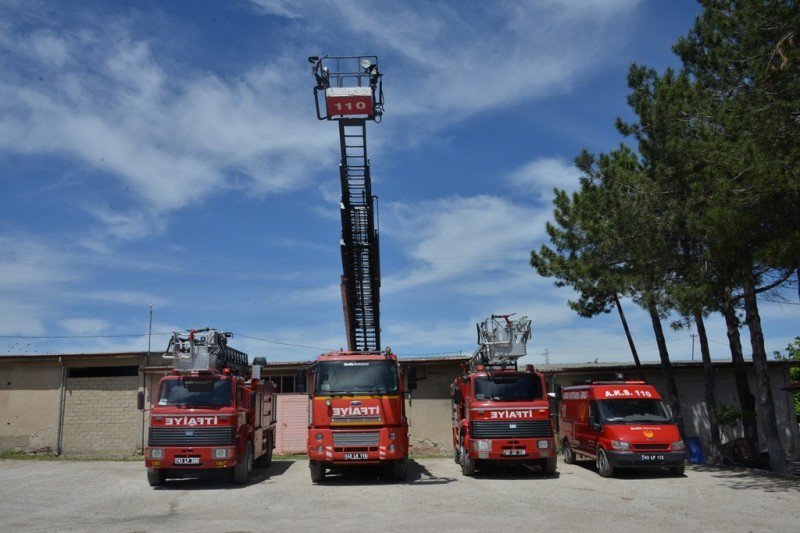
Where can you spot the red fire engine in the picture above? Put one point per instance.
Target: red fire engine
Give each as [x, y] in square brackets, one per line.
[501, 413]
[356, 396]
[618, 424]
[212, 413]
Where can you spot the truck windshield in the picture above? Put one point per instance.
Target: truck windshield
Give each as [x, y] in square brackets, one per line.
[348, 377]
[204, 392]
[626, 411]
[507, 388]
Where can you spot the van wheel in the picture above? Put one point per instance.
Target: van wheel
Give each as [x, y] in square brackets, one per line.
[241, 472]
[467, 463]
[155, 476]
[604, 468]
[548, 466]
[566, 450]
[317, 471]
[677, 470]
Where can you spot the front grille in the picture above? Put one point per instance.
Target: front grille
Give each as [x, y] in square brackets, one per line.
[361, 438]
[651, 447]
[183, 436]
[492, 429]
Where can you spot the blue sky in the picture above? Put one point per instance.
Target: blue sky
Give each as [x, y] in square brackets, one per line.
[168, 153]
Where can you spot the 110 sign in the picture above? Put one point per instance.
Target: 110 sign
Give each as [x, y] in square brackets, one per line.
[617, 393]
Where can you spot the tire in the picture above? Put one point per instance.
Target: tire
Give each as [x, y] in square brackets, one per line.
[677, 470]
[317, 471]
[568, 454]
[604, 468]
[467, 464]
[241, 472]
[457, 455]
[400, 469]
[548, 466]
[265, 460]
[156, 476]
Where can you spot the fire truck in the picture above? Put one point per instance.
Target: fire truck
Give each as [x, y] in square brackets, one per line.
[501, 413]
[211, 413]
[357, 397]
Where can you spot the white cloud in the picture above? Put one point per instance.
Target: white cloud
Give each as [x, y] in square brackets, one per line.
[85, 326]
[542, 175]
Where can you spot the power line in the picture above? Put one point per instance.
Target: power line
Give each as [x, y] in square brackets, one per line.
[270, 341]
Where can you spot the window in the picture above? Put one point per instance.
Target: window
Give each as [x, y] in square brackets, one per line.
[283, 383]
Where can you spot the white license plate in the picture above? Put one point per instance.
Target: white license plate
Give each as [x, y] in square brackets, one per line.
[650, 457]
[514, 452]
[355, 456]
[187, 460]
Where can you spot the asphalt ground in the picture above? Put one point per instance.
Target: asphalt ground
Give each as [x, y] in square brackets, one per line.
[115, 496]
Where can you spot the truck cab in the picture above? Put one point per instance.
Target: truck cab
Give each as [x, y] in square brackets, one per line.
[620, 425]
[356, 412]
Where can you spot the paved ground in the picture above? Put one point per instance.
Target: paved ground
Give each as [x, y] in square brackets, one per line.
[101, 496]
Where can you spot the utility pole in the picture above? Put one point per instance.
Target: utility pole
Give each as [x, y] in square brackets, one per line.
[546, 354]
[693, 335]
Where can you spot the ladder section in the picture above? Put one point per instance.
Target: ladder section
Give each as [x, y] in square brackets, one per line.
[360, 282]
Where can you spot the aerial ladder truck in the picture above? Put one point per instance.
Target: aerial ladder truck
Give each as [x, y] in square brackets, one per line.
[501, 412]
[357, 409]
[211, 413]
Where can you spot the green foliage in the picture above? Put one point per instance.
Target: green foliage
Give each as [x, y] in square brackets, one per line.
[792, 353]
[729, 415]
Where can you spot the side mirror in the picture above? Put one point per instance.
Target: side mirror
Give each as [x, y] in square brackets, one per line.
[557, 390]
[140, 400]
[300, 381]
[412, 377]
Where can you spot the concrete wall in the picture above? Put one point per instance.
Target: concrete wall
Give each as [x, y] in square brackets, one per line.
[100, 417]
[29, 405]
[429, 412]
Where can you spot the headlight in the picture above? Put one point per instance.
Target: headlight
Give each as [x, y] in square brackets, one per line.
[543, 444]
[482, 445]
[392, 435]
[391, 448]
[319, 436]
[620, 445]
[678, 446]
[219, 453]
[156, 453]
[320, 449]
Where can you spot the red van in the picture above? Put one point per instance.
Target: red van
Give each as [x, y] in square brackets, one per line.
[619, 424]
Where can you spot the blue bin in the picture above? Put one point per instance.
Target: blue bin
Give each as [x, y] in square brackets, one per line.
[695, 451]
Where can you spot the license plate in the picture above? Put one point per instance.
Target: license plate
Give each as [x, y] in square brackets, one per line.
[187, 460]
[650, 457]
[355, 456]
[514, 452]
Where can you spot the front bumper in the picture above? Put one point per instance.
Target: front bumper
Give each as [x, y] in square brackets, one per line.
[383, 449]
[175, 458]
[512, 449]
[621, 459]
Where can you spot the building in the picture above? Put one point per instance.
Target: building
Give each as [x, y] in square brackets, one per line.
[85, 404]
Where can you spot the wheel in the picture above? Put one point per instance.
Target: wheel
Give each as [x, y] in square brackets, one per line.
[457, 455]
[155, 476]
[317, 471]
[548, 466]
[400, 469]
[677, 470]
[467, 463]
[604, 468]
[241, 472]
[566, 450]
[265, 460]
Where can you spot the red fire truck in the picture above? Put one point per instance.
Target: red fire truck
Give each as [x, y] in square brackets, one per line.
[619, 424]
[501, 414]
[357, 412]
[212, 413]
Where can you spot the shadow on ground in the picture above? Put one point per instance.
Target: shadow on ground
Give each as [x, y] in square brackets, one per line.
[368, 475]
[221, 480]
[631, 473]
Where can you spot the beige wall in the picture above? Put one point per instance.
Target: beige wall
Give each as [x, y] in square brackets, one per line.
[29, 405]
[429, 410]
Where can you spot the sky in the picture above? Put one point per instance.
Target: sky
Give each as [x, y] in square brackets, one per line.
[168, 154]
